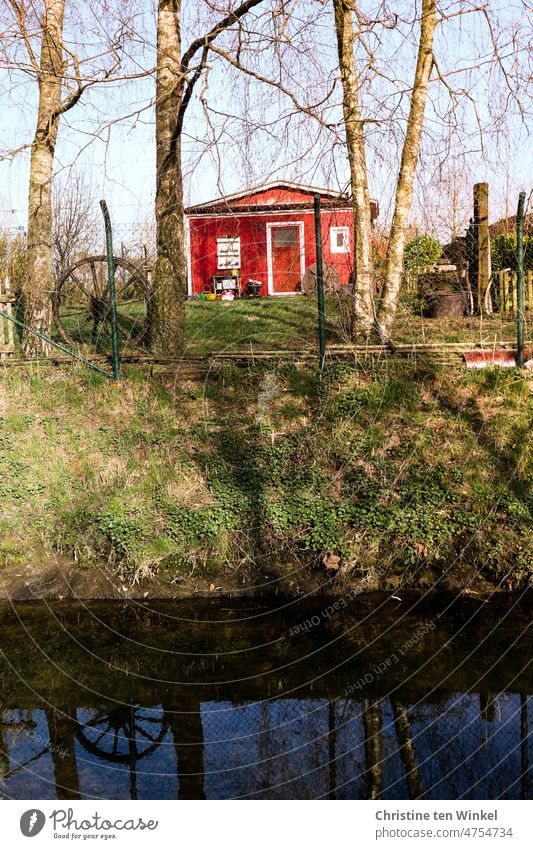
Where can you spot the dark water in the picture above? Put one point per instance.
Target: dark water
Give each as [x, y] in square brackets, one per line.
[378, 698]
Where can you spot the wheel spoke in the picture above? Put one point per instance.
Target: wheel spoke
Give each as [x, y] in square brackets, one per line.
[145, 734]
[103, 734]
[129, 322]
[80, 284]
[129, 282]
[86, 282]
[156, 720]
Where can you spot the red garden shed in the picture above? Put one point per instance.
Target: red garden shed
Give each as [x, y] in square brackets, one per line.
[266, 235]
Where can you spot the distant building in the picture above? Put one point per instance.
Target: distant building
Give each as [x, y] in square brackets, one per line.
[266, 236]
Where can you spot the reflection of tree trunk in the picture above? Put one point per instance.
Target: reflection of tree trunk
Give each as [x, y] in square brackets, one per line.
[524, 734]
[331, 752]
[61, 730]
[407, 751]
[373, 747]
[4, 752]
[487, 706]
[188, 733]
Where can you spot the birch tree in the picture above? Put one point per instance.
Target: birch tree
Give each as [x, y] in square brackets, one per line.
[363, 311]
[40, 283]
[35, 48]
[406, 177]
[379, 93]
[178, 71]
[363, 314]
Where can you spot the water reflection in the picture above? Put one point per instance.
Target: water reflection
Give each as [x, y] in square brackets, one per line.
[281, 749]
[310, 741]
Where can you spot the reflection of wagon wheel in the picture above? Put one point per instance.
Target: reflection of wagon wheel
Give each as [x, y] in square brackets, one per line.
[82, 309]
[124, 735]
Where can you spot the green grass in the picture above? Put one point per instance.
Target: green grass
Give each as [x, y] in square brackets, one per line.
[291, 324]
[405, 471]
[274, 323]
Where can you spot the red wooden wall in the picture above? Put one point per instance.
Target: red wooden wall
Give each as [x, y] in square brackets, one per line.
[252, 230]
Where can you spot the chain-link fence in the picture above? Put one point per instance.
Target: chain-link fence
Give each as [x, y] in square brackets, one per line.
[472, 745]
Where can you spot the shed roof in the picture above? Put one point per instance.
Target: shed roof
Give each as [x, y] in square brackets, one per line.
[279, 195]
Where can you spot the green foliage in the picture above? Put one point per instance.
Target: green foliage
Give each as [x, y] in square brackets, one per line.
[503, 252]
[198, 526]
[421, 251]
[123, 533]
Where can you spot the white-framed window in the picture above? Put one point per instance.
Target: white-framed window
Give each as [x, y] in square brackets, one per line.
[229, 252]
[339, 238]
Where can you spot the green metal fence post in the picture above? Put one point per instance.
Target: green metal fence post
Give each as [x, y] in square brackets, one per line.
[320, 284]
[112, 290]
[520, 277]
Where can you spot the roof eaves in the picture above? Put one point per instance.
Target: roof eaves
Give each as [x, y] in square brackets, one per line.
[278, 184]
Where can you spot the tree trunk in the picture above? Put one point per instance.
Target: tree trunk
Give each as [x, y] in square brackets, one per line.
[373, 735]
[409, 162]
[61, 730]
[170, 280]
[188, 734]
[39, 284]
[415, 788]
[363, 310]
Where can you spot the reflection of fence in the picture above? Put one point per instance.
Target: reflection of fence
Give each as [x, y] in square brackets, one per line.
[507, 291]
[7, 340]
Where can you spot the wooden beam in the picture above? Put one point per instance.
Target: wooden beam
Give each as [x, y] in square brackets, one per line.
[481, 225]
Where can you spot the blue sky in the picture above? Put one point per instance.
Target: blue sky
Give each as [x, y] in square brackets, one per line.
[258, 135]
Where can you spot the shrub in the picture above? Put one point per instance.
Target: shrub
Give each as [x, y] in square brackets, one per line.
[503, 252]
[421, 251]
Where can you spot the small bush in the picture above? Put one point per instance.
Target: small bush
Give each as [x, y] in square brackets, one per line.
[503, 252]
[421, 251]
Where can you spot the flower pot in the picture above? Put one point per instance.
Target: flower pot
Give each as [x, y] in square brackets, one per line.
[447, 304]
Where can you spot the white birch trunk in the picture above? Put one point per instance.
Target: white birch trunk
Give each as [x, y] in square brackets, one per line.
[39, 284]
[170, 280]
[363, 310]
[405, 185]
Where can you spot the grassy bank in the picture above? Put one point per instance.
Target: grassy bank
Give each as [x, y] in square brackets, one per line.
[411, 474]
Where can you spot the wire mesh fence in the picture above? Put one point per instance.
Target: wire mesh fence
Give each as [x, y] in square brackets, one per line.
[475, 745]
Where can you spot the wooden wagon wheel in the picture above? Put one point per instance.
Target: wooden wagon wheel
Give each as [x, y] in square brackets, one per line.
[82, 309]
[123, 735]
